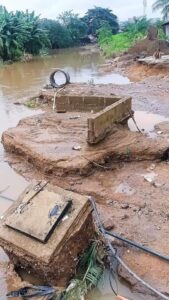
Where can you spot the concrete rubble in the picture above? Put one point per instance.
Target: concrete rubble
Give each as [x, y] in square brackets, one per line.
[27, 221]
[47, 141]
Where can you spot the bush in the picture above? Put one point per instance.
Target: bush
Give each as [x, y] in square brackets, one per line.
[20, 32]
[132, 31]
[118, 43]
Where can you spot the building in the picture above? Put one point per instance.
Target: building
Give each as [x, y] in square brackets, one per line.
[166, 28]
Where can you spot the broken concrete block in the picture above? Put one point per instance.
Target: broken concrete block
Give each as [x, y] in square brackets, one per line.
[25, 228]
[100, 124]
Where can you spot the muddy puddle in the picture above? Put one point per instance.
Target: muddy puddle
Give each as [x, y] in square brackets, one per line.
[146, 122]
[104, 291]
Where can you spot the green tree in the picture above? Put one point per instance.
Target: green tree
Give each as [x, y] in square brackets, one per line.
[58, 34]
[37, 38]
[136, 25]
[77, 27]
[162, 5]
[20, 32]
[104, 33]
[95, 17]
[12, 32]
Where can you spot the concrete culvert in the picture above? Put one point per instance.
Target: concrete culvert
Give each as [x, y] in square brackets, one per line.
[59, 78]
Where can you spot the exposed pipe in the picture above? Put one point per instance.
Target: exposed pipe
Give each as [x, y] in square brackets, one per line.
[137, 245]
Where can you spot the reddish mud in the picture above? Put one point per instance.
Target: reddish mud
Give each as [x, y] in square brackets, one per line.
[48, 141]
[128, 203]
[132, 198]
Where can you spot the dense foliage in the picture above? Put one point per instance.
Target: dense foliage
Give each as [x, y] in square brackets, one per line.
[66, 31]
[131, 31]
[20, 32]
[95, 17]
[117, 43]
[137, 24]
[76, 27]
[58, 35]
[162, 5]
[24, 32]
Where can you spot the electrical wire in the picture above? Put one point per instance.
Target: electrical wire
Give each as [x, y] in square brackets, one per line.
[137, 245]
[111, 277]
[116, 256]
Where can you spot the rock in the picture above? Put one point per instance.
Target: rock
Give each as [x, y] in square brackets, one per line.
[125, 206]
[77, 148]
[109, 224]
[125, 217]
[157, 185]
[150, 177]
[152, 167]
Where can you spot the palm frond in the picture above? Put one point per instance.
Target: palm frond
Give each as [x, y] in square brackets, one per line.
[89, 274]
[93, 276]
[162, 5]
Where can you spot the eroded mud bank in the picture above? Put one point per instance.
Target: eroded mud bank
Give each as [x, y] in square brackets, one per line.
[49, 142]
[128, 203]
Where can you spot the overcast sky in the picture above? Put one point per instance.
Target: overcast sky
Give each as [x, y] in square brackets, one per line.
[124, 9]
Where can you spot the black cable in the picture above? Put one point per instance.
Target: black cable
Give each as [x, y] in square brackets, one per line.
[117, 257]
[137, 245]
[112, 276]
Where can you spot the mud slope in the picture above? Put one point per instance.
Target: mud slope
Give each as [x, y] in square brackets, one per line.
[47, 141]
[138, 210]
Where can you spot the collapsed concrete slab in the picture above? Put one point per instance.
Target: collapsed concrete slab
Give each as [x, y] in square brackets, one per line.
[47, 141]
[102, 123]
[54, 260]
[106, 112]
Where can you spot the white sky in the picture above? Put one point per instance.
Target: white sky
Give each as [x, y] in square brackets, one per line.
[124, 9]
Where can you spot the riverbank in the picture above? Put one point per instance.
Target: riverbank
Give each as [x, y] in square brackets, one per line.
[122, 204]
[127, 202]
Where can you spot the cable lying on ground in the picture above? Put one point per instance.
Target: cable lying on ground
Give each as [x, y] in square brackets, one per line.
[137, 245]
[115, 255]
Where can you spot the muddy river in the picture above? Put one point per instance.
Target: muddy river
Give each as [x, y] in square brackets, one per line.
[21, 80]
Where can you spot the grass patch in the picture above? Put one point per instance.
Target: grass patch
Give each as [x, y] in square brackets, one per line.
[119, 43]
[32, 103]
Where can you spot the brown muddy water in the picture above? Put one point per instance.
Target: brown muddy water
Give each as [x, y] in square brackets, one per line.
[149, 120]
[23, 80]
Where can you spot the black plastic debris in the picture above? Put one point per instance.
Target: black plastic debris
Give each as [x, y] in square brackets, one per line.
[32, 292]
